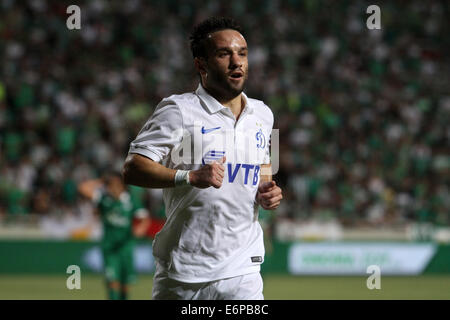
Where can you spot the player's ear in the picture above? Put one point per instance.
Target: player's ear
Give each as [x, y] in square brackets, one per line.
[200, 65]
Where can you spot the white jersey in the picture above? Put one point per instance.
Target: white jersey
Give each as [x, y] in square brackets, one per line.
[210, 233]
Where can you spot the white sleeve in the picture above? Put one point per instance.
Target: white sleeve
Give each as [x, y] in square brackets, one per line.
[161, 133]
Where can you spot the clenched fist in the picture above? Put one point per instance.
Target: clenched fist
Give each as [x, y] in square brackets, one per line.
[269, 195]
[208, 175]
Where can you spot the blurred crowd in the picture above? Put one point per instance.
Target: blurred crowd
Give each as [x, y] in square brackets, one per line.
[363, 114]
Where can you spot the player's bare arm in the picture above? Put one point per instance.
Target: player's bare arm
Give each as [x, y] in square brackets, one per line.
[266, 173]
[143, 172]
[87, 188]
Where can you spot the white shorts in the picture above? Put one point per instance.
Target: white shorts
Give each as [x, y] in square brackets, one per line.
[245, 287]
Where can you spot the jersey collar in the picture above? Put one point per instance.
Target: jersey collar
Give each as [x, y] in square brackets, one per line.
[215, 106]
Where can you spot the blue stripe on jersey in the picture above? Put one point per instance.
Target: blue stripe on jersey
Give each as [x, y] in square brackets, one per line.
[215, 153]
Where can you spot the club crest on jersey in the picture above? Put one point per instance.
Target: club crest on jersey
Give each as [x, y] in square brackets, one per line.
[212, 155]
[260, 139]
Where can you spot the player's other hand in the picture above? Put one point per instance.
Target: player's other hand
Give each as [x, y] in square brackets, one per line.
[209, 175]
[269, 195]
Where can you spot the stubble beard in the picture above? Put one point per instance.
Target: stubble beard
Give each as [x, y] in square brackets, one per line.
[224, 89]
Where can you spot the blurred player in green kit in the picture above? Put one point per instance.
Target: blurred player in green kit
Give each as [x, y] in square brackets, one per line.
[122, 221]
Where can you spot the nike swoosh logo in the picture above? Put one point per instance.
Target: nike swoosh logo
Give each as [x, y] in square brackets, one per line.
[208, 130]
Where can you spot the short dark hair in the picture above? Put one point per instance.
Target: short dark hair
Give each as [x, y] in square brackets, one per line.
[210, 25]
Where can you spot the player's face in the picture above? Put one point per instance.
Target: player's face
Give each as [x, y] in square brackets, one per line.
[227, 63]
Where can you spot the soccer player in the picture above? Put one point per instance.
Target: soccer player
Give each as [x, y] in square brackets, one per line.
[118, 213]
[211, 246]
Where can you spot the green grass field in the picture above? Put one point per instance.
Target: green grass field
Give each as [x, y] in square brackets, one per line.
[275, 287]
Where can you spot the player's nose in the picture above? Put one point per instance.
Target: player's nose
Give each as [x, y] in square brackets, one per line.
[235, 61]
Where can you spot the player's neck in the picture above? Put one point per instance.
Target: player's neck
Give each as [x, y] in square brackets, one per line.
[236, 104]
